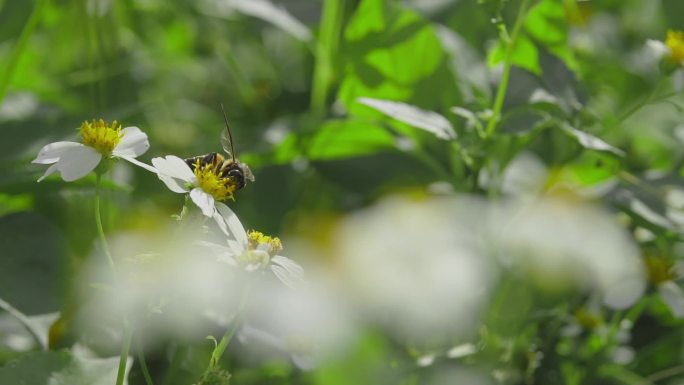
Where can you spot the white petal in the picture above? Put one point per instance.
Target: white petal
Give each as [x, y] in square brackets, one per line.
[174, 185]
[133, 143]
[222, 253]
[52, 152]
[673, 297]
[657, 49]
[236, 247]
[204, 201]
[76, 163]
[288, 271]
[292, 267]
[233, 224]
[139, 163]
[174, 167]
[51, 170]
[175, 174]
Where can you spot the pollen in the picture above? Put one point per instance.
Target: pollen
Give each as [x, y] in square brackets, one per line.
[101, 136]
[675, 42]
[256, 238]
[208, 178]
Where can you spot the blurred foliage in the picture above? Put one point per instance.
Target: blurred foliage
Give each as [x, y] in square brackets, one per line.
[581, 94]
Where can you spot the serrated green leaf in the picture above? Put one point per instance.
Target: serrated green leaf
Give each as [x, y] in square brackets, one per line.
[383, 41]
[547, 25]
[525, 55]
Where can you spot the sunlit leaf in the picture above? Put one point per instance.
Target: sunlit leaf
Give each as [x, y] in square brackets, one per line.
[429, 121]
[590, 141]
[524, 55]
[381, 39]
[546, 24]
[348, 138]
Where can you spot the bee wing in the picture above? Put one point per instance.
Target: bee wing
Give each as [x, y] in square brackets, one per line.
[226, 142]
[248, 173]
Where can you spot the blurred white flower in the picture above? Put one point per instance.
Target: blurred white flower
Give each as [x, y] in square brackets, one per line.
[570, 244]
[409, 268]
[74, 160]
[252, 250]
[427, 268]
[164, 286]
[310, 325]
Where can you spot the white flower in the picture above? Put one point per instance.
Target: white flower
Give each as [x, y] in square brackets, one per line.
[204, 183]
[253, 251]
[75, 160]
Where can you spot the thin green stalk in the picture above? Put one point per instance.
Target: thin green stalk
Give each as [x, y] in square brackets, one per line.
[228, 336]
[501, 92]
[327, 46]
[123, 358]
[98, 222]
[643, 102]
[143, 364]
[19, 48]
[223, 344]
[178, 356]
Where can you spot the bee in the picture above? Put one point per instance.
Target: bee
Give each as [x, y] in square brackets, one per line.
[225, 167]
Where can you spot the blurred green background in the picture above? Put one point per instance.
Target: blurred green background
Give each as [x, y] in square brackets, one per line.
[289, 74]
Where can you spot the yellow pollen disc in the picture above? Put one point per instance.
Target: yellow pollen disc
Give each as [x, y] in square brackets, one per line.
[209, 180]
[101, 136]
[675, 42]
[256, 238]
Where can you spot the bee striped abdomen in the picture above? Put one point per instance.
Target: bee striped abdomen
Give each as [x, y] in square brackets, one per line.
[213, 158]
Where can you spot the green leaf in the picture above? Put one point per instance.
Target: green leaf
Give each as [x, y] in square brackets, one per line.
[546, 23]
[60, 368]
[394, 53]
[349, 138]
[429, 121]
[525, 55]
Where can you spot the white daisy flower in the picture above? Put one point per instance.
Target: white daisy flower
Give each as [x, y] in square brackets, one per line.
[252, 250]
[75, 160]
[204, 183]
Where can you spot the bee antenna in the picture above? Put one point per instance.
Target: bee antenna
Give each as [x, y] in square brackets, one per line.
[230, 135]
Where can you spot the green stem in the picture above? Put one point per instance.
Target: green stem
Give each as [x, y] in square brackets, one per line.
[123, 358]
[643, 102]
[98, 222]
[19, 48]
[228, 336]
[223, 344]
[501, 92]
[178, 356]
[143, 363]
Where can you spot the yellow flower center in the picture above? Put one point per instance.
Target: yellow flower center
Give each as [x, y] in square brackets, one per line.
[208, 178]
[101, 136]
[659, 269]
[260, 249]
[675, 42]
[256, 238]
